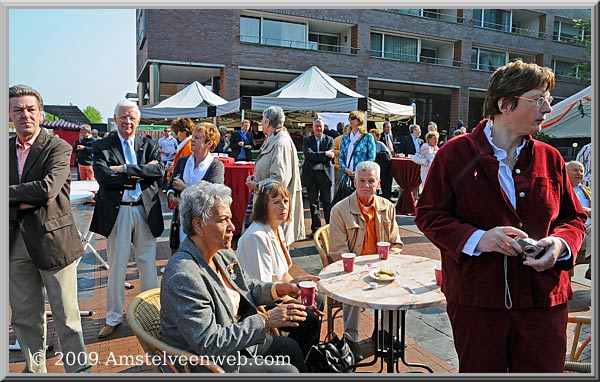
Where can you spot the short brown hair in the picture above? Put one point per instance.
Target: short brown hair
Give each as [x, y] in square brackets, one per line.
[431, 134]
[375, 133]
[210, 132]
[182, 124]
[267, 191]
[514, 79]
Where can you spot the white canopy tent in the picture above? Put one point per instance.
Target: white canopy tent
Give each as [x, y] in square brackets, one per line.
[193, 101]
[571, 117]
[315, 91]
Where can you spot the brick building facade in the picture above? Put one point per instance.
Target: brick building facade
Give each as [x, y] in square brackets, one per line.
[441, 59]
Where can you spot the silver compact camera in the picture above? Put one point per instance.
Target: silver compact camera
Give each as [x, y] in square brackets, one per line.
[530, 248]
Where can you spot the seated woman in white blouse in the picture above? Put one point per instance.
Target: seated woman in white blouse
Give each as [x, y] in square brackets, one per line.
[263, 255]
[199, 166]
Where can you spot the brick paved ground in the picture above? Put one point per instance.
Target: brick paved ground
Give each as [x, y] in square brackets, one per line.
[92, 286]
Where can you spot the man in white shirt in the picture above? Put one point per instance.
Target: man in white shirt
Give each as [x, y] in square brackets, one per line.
[584, 156]
[167, 146]
[575, 172]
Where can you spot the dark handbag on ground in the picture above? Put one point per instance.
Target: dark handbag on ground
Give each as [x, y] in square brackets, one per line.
[334, 356]
[174, 233]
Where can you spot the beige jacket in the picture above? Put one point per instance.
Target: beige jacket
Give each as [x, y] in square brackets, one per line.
[347, 226]
[278, 161]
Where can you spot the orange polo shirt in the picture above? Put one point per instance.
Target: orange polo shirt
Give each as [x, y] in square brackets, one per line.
[370, 241]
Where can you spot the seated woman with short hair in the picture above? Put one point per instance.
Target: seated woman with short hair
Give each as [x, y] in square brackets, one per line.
[263, 254]
[208, 303]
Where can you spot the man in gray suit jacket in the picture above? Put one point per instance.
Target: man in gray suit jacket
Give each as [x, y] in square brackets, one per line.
[44, 244]
[317, 172]
[128, 210]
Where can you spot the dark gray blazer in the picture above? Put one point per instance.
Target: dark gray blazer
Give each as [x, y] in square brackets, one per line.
[48, 229]
[109, 152]
[313, 157]
[196, 314]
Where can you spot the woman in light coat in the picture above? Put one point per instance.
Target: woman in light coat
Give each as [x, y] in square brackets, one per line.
[428, 150]
[278, 162]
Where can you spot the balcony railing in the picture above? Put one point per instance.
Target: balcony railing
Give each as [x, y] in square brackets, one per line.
[308, 45]
[413, 58]
[430, 15]
[513, 29]
[567, 38]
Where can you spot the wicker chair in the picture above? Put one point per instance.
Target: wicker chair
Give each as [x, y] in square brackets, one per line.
[143, 317]
[573, 364]
[334, 307]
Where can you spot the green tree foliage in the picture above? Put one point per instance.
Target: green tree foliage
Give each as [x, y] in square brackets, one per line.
[585, 68]
[93, 114]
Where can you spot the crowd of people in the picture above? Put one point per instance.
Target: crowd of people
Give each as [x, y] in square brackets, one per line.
[482, 191]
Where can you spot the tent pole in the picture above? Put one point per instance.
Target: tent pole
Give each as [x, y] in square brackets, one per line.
[243, 114]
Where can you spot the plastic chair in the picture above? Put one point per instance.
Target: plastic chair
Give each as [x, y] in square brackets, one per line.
[573, 364]
[143, 317]
[334, 307]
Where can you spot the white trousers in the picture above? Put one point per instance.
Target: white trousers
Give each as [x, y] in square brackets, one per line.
[131, 227]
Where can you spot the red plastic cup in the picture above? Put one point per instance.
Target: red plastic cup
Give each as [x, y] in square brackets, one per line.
[438, 275]
[308, 291]
[348, 259]
[383, 248]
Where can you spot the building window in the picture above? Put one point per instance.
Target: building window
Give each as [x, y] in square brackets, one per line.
[567, 32]
[141, 28]
[273, 32]
[396, 47]
[566, 70]
[324, 42]
[250, 29]
[493, 19]
[489, 60]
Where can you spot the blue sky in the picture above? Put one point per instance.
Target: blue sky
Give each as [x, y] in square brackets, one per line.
[74, 56]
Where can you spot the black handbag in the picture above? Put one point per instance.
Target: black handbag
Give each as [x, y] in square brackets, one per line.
[334, 356]
[174, 233]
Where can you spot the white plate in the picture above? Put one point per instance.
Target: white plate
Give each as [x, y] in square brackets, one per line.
[374, 276]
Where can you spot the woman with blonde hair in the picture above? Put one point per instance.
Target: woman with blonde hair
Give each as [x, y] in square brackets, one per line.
[428, 150]
[199, 166]
[357, 146]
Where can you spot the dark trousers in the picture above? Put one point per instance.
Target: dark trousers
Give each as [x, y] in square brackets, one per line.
[272, 347]
[308, 332]
[509, 340]
[386, 180]
[319, 188]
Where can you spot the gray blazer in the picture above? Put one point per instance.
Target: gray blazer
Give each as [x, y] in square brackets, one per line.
[196, 314]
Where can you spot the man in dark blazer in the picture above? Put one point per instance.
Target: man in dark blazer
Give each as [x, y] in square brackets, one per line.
[128, 210]
[411, 144]
[241, 142]
[44, 244]
[317, 172]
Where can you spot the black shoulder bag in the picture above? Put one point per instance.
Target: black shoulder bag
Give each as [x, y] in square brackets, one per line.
[334, 356]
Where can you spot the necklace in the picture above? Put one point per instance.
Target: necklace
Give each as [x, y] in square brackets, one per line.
[511, 159]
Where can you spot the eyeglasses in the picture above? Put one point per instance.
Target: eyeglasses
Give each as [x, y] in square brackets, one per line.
[352, 118]
[539, 101]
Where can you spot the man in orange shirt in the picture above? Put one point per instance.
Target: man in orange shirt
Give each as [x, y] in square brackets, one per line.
[357, 223]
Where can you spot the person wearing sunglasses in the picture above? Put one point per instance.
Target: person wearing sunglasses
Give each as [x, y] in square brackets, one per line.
[484, 191]
[263, 254]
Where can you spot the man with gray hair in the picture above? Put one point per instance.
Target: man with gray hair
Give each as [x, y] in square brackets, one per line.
[44, 245]
[357, 223]
[576, 174]
[128, 209]
[317, 172]
[411, 144]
